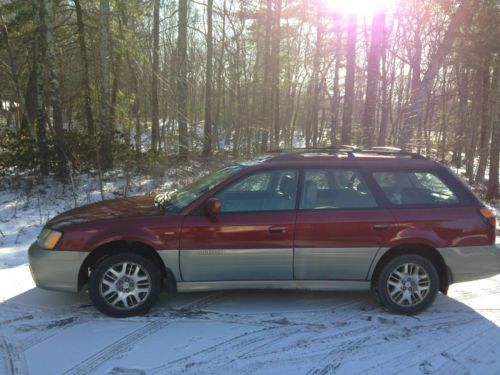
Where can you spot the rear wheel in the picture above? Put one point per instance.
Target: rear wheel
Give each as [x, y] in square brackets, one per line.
[407, 284]
[124, 285]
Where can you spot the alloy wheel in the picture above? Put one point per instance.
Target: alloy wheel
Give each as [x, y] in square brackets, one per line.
[408, 284]
[125, 285]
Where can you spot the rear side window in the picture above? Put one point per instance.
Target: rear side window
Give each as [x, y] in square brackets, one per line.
[335, 188]
[414, 188]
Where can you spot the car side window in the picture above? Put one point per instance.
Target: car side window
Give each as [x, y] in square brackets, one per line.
[270, 190]
[335, 188]
[414, 188]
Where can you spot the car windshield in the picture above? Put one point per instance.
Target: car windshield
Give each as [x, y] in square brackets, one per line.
[177, 200]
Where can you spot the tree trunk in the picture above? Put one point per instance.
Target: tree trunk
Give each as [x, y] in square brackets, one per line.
[349, 80]
[484, 141]
[267, 96]
[85, 78]
[373, 74]
[275, 62]
[114, 90]
[155, 119]
[444, 116]
[463, 113]
[335, 97]
[472, 133]
[386, 92]
[207, 130]
[106, 133]
[335, 101]
[62, 156]
[182, 80]
[312, 120]
[38, 58]
[416, 71]
[493, 192]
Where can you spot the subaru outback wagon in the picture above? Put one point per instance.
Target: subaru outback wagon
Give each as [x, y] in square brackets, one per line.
[395, 223]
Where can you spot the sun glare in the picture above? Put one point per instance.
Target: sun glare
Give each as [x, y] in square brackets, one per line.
[359, 7]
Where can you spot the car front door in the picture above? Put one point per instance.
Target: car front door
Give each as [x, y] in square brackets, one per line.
[339, 228]
[251, 238]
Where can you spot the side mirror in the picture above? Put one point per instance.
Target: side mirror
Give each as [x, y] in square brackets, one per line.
[213, 206]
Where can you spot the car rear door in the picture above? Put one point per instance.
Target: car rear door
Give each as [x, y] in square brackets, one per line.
[340, 226]
[252, 237]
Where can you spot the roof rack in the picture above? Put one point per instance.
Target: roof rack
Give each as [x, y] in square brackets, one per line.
[327, 150]
[392, 151]
[350, 151]
[315, 149]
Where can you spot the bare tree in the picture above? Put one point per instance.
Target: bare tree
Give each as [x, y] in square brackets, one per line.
[350, 75]
[106, 131]
[38, 59]
[85, 74]
[155, 120]
[484, 140]
[182, 79]
[207, 139]
[493, 183]
[57, 115]
[373, 75]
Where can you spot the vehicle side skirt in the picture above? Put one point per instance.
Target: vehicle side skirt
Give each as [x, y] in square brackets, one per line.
[321, 285]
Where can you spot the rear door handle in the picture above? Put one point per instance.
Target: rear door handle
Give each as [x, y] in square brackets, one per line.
[380, 226]
[277, 229]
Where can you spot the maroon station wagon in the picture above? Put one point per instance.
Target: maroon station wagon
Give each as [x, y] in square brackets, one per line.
[333, 219]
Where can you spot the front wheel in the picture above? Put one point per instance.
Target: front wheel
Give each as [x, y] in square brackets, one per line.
[124, 285]
[407, 284]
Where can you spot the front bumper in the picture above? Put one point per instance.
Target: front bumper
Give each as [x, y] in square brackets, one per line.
[55, 269]
[472, 262]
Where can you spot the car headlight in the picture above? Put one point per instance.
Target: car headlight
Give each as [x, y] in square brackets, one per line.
[49, 238]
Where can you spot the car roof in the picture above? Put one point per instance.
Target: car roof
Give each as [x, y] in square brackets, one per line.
[345, 156]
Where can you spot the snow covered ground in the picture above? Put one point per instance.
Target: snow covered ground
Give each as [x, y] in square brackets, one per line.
[257, 332]
[248, 332]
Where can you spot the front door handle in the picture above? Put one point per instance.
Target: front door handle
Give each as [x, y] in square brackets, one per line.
[277, 229]
[380, 226]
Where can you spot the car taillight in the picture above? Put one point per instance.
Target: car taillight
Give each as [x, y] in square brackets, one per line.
[488, 216]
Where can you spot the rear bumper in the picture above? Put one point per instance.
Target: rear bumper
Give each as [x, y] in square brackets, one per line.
[472, 262]
[55, 269]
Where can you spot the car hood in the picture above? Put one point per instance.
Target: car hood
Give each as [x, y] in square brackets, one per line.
[117, 208]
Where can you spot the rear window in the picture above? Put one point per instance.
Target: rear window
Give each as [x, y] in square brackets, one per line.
[415, 188]
[335, 189]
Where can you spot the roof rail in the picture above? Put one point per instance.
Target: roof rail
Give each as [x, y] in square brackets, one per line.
[392, 151]
[328, 149]
[350, 151]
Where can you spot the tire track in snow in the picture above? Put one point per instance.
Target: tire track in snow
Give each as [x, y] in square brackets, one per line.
[250, 348]
[39, 338]
[398, 363]
[125, 343]
[346, 350]
[233, 345]
[201, 302]
[15, 362]
[453, 366]
[128, 341]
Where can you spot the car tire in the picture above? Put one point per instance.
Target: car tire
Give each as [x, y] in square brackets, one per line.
[125, 284]
[407, 284]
